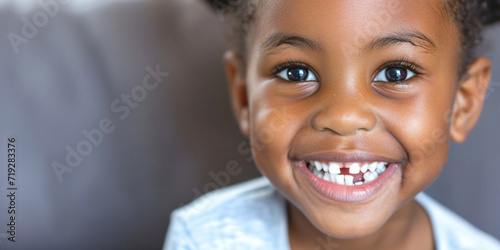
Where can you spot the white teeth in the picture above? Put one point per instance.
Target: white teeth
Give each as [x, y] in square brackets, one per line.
[326, 177]
[354, 168]
[331, 172]
[373, 166]
[334, 168]
[364, 168]
[320, 175]
[340, 179]
[333, 178]
[318, 165]
[316, 172]
[325, 167]
[370, 176]
[380, 168]
[349, 179]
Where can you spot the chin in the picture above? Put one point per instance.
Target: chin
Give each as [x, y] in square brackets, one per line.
[354, 231]
[350, 226]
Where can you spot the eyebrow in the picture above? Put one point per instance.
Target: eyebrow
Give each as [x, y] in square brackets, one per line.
[278, 39]
[415, 38]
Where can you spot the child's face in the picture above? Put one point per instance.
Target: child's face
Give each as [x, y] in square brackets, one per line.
[348, 82]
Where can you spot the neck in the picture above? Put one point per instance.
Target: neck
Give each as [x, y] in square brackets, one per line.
[408, 228]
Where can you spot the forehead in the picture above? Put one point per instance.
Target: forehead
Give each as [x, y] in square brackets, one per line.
[354, 22]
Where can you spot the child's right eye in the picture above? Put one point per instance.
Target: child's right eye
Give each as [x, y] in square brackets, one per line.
[297, 74]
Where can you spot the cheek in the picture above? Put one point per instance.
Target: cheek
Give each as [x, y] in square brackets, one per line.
[268, 131]
[274, 123]
[423, 131]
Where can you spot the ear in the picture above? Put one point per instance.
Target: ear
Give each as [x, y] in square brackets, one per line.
[470, 98]
[238, 90]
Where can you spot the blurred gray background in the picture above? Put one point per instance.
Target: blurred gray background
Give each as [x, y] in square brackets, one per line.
[73, 59]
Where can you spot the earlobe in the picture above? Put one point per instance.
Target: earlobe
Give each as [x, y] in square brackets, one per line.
[237, 90]
[470, 98]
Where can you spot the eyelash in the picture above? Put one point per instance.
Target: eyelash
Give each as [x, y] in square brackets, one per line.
[401, 63]
[291, 64]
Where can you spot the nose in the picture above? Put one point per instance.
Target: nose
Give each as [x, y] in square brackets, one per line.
[344, 115]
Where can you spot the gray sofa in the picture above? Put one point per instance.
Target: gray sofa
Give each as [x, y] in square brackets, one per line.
[75, 89]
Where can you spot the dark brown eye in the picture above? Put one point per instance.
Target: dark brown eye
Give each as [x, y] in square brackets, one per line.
[297, 74]
[394, 74]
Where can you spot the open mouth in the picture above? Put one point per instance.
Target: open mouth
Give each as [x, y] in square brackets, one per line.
[347, 173]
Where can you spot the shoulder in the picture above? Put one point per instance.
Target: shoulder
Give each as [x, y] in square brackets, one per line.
[453, 232]
[249, 214]
[245, 199]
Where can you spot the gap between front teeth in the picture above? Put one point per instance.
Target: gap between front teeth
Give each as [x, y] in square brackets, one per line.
[331, 171]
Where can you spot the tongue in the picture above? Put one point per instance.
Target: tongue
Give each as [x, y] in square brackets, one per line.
[357, 177]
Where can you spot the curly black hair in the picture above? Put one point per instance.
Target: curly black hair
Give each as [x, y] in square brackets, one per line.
[470, 16]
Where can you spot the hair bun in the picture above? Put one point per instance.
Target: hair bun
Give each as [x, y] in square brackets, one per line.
[490, 11]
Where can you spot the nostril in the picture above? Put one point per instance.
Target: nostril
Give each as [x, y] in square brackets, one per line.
[337, 132]
[344, 123]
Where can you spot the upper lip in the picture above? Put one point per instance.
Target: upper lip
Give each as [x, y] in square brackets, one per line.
[355, 156]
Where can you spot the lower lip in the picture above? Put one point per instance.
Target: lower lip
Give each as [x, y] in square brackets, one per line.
[343, 193]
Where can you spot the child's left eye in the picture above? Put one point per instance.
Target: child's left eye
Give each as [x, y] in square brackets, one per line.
[297, 74]
[394, 74]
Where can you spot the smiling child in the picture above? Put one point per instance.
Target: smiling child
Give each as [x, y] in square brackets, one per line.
[350, 107]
